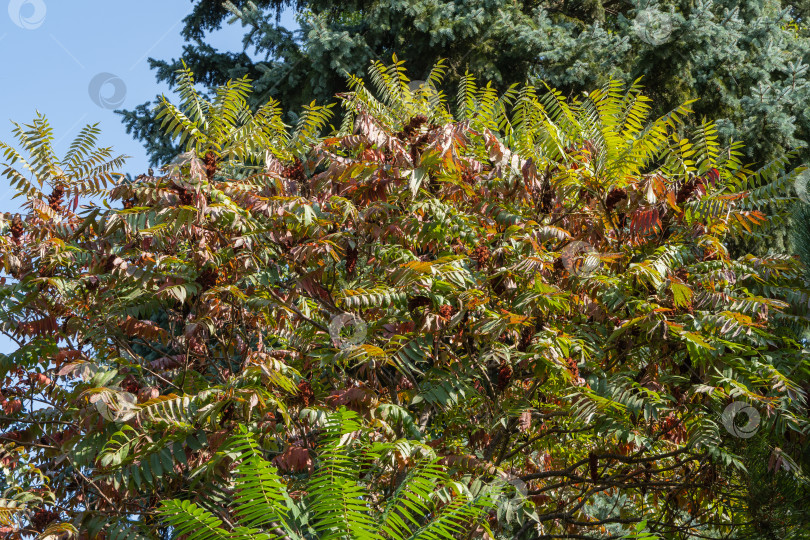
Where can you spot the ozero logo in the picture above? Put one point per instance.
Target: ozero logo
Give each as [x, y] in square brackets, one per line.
[108, 91]
[27, 14]
[580, 258]
[347, 330]
[800, 183]
[732, 420]
[653, 26]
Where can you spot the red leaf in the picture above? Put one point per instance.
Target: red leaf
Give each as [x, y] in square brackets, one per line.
[644, 221]
[294, 459]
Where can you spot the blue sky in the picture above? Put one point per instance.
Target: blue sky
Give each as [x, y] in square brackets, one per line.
[77, 60]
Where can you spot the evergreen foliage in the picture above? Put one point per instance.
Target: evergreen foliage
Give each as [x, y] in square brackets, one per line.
[744, 62]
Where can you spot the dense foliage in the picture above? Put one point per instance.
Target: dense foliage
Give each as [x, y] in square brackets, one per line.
[337, 503]
[532, 289]
[745, 61]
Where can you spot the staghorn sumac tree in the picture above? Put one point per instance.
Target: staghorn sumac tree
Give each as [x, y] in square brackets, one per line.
[537, 289]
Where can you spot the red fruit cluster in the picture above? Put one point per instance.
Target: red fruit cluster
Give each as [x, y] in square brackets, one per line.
[42, 518]
[687, 189]
[481, 255]
[351, 259]
[129, 384]
[505, 373]
[446, 311]
[572, 367]
[186, 197]
[593, 466]
[16, 228]
[295, 171]
[56, 199]
[615, 197]
[208, 278]
[305, 393]
[211, 162]
[546, 197]
[526, 336]
[412, 127]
